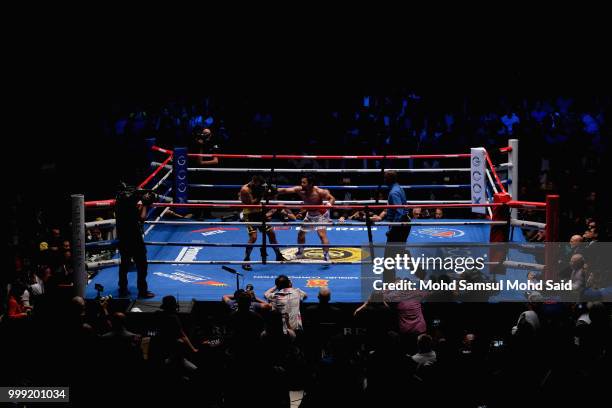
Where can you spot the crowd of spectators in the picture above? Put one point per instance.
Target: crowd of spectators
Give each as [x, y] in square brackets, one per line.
[281, 351]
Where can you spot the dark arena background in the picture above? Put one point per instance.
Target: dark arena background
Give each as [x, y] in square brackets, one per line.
[284, 320]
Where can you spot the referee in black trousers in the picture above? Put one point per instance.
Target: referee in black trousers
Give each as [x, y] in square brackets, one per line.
[397, 234]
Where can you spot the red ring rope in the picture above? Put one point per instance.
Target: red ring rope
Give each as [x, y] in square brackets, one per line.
[331, 157]
[99, 203]
[354, 207]
[157, 170]
[497, 180]
[159, 149]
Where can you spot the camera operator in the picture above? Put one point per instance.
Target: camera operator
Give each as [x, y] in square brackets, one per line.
[205, 143]
[131, 210]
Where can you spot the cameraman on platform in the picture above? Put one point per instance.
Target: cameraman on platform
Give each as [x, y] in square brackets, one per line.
[131, 210]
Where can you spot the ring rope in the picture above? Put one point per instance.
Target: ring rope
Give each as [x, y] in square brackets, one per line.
[329, 224]
[338, 202]
[492, 167]
[162, 180]
[157, 170]
[491, 181]
[111, 223]
[344, 187]
[322, 157]
[512, 204]
[113, 262]
[114, 242]
[528, 224]
[294, 170]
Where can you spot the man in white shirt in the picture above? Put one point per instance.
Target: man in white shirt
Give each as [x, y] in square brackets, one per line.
[286, 299]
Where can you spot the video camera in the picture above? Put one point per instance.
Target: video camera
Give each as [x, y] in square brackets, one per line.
[99, 288]
[127, 192]
[497, 343]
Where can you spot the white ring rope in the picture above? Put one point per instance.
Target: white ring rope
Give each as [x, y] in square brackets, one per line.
[104, 223]
[489, 210]
[114, 262]
[102, 264]
[337, 202]
[159, 183]
[262, 170]
[329, 224]
[266, 170]
[523, 265]
[294, 262]
[157, 220]
[491, 181]
[528, 224]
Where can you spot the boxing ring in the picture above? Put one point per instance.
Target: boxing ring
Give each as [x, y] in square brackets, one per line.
[202, 259]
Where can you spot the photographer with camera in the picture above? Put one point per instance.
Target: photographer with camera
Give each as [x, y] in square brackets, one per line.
[257, 304]
[131, 210]
[286, 299]
[253, 193]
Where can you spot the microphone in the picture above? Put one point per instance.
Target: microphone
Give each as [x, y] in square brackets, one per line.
[225, 268]
[237, 274]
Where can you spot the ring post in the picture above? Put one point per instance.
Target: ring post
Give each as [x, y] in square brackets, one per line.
[382, 177]
[78, 244]
[551, 236]
[180, 172]
[368, 222]
[264, 247]
[513, 177]
[478, 178]
[499, 234]
[552, 218]
[264, 250]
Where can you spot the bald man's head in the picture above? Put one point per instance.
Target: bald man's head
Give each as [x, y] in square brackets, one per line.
[575, 240]
[324, 295]
[577, 261]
